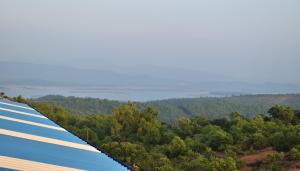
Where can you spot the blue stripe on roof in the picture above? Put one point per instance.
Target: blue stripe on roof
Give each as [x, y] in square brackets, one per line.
[57, 155]
[28, 118]
[19, 109]
[39, 131]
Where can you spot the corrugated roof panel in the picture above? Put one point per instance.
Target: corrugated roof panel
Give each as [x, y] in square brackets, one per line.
[28, 142]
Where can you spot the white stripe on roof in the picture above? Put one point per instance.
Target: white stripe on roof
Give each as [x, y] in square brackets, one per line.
[21, 164]
[16, 105]
[48, 140]
[23, 113]
[32, 123]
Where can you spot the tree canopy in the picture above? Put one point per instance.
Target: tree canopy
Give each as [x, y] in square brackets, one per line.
[135, 136]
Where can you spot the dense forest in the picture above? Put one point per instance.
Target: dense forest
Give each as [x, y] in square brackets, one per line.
[135, 136]
[172, 109]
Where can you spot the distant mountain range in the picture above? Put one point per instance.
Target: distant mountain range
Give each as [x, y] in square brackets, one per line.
[13, 73]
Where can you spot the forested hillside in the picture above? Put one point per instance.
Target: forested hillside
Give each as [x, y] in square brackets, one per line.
[135, 136]
[172, 109]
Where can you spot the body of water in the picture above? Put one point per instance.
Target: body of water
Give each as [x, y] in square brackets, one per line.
[112, 93]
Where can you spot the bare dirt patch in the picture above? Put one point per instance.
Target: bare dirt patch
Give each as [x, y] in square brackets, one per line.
[257, 157]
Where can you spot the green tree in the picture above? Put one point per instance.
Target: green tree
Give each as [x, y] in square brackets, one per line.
[184, 127]
[19, 99]
[223, 164]
[130, 123]
[2, 94]
[127, 152]
[135, 136]
[215, 137]
[176, 147]
[200, 163]
[287, 138]
[125, 122]
[283, 113]
[157, 162]
[295, 154]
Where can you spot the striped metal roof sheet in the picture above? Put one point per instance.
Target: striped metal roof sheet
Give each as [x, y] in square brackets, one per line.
[30, 141]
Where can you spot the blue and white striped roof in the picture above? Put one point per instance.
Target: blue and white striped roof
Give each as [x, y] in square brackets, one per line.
[30, 141]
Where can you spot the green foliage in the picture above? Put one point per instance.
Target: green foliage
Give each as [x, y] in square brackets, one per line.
[135, 136]
[274, 157]
[125, 151]
[173, 109]
[282, 113]
[19, 99]
[157, 162]
[129, 123]
[82, 105]
[200, 163]
[257, 141]
[2, 94]
[176, 147]
[224, 164]
[295, 154]
[287, 137]
[184, 127]
[215, 137]
[196, 145]
[273, 162]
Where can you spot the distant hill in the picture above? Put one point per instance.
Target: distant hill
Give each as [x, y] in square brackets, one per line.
[137, 77]
[82, 105]
[172, 109]
[52, 75]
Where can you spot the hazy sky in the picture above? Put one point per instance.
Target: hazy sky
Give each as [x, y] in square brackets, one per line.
[252, 40]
